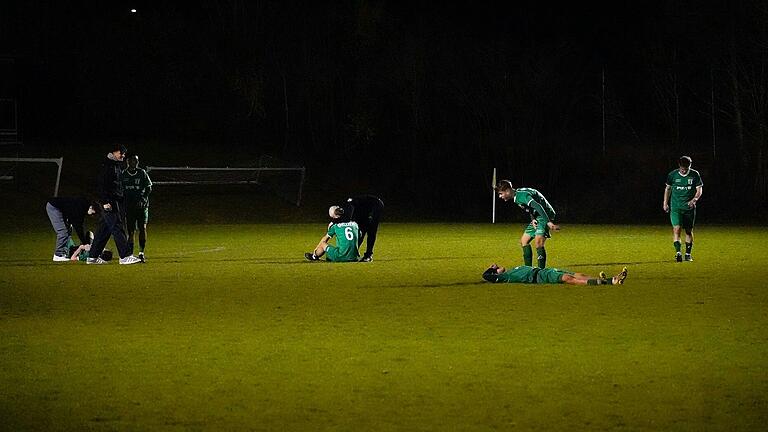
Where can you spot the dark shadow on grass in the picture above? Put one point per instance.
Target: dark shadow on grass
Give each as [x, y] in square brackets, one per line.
[453, 284]
[31, 263]
[260, 261]
[431, 258]
[624, 263]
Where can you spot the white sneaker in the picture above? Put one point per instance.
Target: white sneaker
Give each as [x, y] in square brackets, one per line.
[95, 261]
[60, 258]
[130, 259]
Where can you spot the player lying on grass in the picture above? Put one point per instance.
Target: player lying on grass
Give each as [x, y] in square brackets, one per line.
[535, 275]
[347, 235]
[81, 253]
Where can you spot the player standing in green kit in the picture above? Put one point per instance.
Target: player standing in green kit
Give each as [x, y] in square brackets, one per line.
[347, 235]
[136, 186]
[541, 213]
[684, 187]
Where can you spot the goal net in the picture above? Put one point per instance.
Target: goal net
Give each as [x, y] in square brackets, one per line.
[30, 175]
[284, 181]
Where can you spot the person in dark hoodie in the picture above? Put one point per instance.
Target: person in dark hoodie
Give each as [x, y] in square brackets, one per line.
[366, 210]
[109, 187]
[67, 213]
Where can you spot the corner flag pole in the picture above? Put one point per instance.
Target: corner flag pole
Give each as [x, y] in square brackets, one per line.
[493, 198]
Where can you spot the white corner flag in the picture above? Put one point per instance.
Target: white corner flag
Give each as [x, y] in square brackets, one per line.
[493, 197]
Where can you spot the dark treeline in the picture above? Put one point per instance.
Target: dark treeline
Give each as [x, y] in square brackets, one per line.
[418, 101]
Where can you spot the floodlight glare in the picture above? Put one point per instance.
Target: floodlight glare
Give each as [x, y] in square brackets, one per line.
[133, 10]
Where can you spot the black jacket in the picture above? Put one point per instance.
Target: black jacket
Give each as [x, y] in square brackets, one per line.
[363, 209]
[109, 183]
[74, 211]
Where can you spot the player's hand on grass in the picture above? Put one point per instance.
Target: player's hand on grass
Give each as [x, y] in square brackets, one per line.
[553, 227]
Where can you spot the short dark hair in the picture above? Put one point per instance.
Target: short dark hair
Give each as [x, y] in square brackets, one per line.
[504, 185]
[119, 146]
[685, 161]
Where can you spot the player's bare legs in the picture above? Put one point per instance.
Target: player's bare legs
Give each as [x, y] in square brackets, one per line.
[321, 247]
[584, 279]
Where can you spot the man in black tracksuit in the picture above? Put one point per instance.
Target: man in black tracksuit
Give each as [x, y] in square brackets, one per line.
[109, 188]
[366, 210]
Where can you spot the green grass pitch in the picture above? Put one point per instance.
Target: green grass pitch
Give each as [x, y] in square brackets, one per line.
[228, 328]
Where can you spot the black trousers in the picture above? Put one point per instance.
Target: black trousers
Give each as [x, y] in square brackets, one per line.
[368, 218]
[112, 225]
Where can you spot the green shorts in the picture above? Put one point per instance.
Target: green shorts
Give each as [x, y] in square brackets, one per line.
[542, 230]
[333, 254]
[136, 216]
[683, 217]
[551, 276]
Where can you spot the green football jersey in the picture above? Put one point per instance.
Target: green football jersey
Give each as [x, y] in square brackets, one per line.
[683, 187]
[533, 202]
[72, 246]
[347, 234]
[136, 186]
[519, 274]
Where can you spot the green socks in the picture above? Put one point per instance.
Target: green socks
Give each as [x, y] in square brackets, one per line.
[527, 255]
[677, 246]
[541, 256]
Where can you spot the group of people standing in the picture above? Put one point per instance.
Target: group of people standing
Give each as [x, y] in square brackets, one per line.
[360, 215]
[682, 191]
[121, 204]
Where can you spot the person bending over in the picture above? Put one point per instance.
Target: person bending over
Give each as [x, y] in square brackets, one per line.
[542, 219]
[345, 250]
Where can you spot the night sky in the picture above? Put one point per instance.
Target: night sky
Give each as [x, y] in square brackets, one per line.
[591, 104]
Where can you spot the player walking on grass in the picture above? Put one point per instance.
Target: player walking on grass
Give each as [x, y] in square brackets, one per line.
[542, 216]
[110, 191]
[137, 187]
[536, 275]
[366, 210]
[346, 234]
[682, 192]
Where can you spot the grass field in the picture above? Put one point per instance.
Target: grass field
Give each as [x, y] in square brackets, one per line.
[227, 328]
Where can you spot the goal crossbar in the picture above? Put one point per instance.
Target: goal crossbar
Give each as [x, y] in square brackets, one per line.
[299, 170]
[58, 161]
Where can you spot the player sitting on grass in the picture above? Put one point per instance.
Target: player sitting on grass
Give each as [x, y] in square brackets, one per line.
[346, 233]
[535, 275]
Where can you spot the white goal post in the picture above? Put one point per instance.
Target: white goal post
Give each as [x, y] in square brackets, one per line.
[227, 176]
[58, 161]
